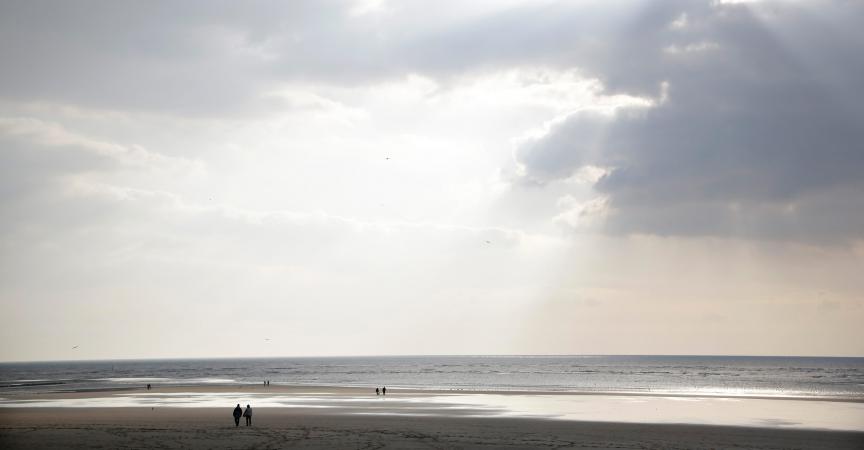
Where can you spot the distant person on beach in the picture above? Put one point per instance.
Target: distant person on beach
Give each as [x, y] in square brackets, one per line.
[148, 386]
[384, 390]
[248, 415]
[377, 391]
[237, 413]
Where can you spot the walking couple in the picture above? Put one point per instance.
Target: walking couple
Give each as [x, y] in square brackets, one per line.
[239, 412]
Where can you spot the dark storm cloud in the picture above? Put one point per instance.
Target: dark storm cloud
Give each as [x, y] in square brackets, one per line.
[760, 134]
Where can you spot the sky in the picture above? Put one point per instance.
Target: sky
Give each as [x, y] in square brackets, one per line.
[231, 179]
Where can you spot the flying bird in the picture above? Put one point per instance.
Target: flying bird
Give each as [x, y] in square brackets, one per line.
[75, 346]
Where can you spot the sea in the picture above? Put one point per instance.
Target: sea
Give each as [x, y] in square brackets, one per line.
[727, 376]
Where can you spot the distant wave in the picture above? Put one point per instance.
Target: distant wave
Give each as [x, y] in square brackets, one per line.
[841, 378]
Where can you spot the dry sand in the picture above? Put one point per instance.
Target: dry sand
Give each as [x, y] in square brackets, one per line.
[72, 428]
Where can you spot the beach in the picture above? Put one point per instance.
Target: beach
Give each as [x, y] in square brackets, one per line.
[354, 417]
[59, 428]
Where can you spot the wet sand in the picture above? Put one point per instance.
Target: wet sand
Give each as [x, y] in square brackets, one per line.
[61, 428]
[348, 417]
[619, 408]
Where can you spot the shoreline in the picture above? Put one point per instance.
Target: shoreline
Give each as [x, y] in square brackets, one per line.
[52, 428]
[359, 390]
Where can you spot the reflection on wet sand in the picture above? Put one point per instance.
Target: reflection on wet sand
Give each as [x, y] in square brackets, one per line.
[753, 412]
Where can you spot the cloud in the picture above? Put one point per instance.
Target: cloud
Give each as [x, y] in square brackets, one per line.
[221, 58]
[582, 215]
[715, 109]
[758, 135]
[359, 160]
[47, 134]
[196, 58]
[56, 182]
[691, 48]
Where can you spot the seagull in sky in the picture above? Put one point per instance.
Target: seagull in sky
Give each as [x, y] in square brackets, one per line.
[74, 347]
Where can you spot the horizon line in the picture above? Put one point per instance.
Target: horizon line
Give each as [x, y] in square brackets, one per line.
[434, 355]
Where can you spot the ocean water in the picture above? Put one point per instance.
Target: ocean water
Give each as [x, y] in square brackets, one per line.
[809, 377]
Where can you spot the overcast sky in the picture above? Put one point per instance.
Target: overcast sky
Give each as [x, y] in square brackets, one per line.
[201, 179]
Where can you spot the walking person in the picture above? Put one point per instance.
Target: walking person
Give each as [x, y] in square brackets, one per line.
[377, 391]
[237, 413]
[384, 390]
[248, 415]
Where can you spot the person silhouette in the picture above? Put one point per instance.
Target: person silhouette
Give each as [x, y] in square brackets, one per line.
[237, 413]
[248, 415]
[377, 391]
[384, 390]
